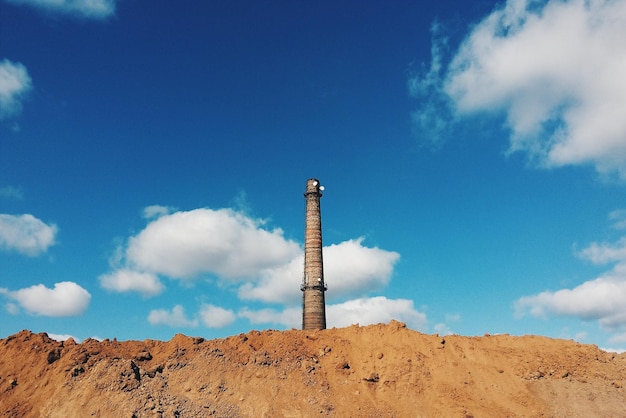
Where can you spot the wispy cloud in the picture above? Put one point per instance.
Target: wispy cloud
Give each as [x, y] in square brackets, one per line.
[156, 211]
[26, 234]
[15, 83]
[87, 9]
[618, 217]
[11, 193]
[432, 122]
[65, 299]
[554, 69]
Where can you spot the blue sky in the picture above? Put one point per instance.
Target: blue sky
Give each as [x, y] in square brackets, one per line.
[153, 156]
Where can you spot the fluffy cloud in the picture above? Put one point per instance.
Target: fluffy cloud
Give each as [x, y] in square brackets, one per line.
[555, 68]
[366, 311]
[222, 242]
[350, 269]
[602, 299]
[363, 311]
[65, 299]
[276, 285]
[124, 280]
[174, 318]
[15, 83]
[210, 315]
[215, 317]
[232, 246]
[184, 245]
[288, 317]
[91, 9]
[26, 234]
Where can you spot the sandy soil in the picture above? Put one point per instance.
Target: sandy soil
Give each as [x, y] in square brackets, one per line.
[374, 371]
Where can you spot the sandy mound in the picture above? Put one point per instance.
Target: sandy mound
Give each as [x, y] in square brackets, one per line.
[373, 371]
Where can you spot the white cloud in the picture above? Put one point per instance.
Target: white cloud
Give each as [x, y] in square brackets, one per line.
[442, 329]
[185, 245]
[156, 211]
[619, 218]
[26, 234]
[453, 317]
[11, 193]
[555, 68]
[277, 285]
[232, 246]
[124, 280]
[223, 242]
[363, 311]
[602, 299]
[614, 350]
[605, 253]
[63, 337]
[618, 339]
[289, 317]
[11, 308]
[15, 83]
[581, 336]
[350, 269]
[209, 315]
[91, 9]
[215, 317]
[65, 299]
[374, 310]
[174, 318]
[432, 122]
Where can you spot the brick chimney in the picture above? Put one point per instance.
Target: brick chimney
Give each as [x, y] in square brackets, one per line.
[313, 287]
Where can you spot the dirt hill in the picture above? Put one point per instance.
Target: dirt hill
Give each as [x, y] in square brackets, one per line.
[373, 371]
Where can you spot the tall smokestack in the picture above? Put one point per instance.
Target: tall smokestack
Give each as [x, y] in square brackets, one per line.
[313, 287]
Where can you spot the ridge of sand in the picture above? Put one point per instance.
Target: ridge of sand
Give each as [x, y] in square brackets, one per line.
[372, 371]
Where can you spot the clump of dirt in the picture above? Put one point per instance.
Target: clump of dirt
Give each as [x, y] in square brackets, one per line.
[374, 371]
